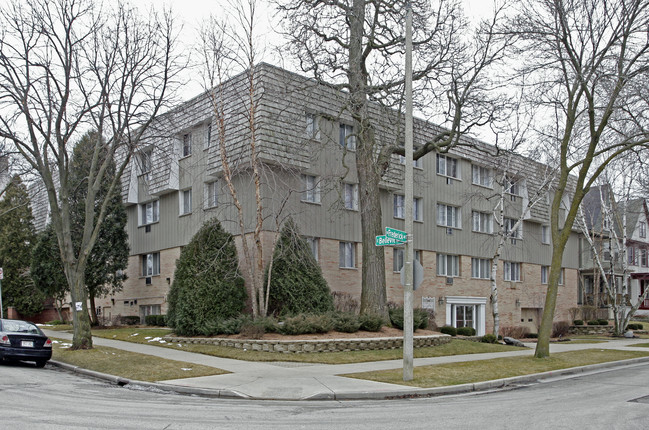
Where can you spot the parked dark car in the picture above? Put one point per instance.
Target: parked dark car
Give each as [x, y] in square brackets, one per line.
[22, 340]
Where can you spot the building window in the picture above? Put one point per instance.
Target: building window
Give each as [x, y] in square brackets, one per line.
[514, 233]
[482, 222]
[151, 264]
[347, 254]
[144, 158]
[481, 268]
[150, 212]
[415, 163]
[643, 229]
[512, 271]
[464, 315]
[643, 257]
[398, 257]
[631, 256]
[512, 186]
[481, 176]
[314, 245]
[449, 216]
[211, 194]
[347, 137]
[400, 210]
[561, 274]
[185, 201]
[448, 265]
[545, 234]
[544, 274]
[208, 136]
[447, 166]
[351, 196]
[312, 127]
[311, 189]
[187, 145]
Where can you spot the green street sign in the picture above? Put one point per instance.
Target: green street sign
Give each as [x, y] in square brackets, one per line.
[384, 240]
[399, 235]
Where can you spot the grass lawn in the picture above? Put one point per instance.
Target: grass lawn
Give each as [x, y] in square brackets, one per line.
[150, 336]
[486, 370]
[129, 365]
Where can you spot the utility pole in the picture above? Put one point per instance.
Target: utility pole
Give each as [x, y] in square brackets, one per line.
[408, 196]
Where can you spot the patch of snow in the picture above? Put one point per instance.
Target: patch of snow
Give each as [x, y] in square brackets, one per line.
[155, 339]
[148, 337]
[185, 368]
[134, 334]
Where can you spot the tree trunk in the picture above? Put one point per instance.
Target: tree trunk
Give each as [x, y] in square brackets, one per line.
[93, 310]
[82, 338]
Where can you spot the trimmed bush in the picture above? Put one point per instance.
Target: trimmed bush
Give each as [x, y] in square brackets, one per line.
[306, 324]
[466, 331]
[560, 328]
[208, 288]
[448, 330]
[489, 338]
[346, 322]
[532, 335]
[296, 282]
[634, 326]
[593, 322]
[419, 318]
[129, 320]
[578, 322]
[157, 320]
[371, 322]
[602, 322]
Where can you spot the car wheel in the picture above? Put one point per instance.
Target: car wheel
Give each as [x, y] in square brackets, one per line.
[41, 363]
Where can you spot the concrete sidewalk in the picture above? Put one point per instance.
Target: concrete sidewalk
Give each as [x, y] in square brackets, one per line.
[307, 381]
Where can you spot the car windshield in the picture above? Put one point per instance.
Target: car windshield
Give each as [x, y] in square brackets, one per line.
[19, 327]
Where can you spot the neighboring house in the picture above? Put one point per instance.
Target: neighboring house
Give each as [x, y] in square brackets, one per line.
[306, 142]
[592, 289]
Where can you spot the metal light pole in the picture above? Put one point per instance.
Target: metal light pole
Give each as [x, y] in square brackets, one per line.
[408, 192]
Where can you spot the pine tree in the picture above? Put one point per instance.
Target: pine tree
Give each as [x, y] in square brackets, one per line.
[17, 237]
[296, 282]
[207, 286]
[47, 268]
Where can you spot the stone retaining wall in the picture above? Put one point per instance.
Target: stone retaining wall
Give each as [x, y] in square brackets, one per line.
[307, 346]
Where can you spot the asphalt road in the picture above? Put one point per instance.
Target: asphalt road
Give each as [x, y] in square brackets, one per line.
[51, 398]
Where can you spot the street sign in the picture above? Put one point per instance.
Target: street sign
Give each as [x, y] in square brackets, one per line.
[417, 275]
[399, 235]
[384, 240]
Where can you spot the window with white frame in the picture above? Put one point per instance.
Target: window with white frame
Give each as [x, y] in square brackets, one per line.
[481, 176]
[643, 257]
[351, 196]
[347, 255]
[512, 186]
[482, 222]
[314, 245]
[150, 264]
[464, 315]
[447, 166]
[642, 227]
[311, 189]
[544, 274]
[415, 163]
[347, 138]
[545, 234]
[187, 145]
[150, 212]
[514, 233]
[144, 158]
[207, 136]
[448, 265]
[399, 207]
[449, 216]
[631, 256]
[398, 258]
[512, 271]
[211, 194]
[312, 127]
[481, 268]
[185, 201]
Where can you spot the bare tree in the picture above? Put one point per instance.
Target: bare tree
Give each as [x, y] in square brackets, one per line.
[357, 46]
[66, 67]
[584, 62]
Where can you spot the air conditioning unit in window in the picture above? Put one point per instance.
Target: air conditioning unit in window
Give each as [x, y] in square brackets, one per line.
[449, 231]
[449, 281]
[148, 280]
[147, 229]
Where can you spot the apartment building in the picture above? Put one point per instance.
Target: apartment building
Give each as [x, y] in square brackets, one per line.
[306, 142]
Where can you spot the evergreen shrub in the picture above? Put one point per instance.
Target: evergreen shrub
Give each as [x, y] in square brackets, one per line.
[489, 338]
[208, 289]
[634, 326]
[419, 318]
[130, 320]
[307, 324]
[466, 331]
[578, 322]
[296, 282]
[602, 322]
[448, 330]
[346, 322]
[371, 322]
[593, 322]
[157, 320]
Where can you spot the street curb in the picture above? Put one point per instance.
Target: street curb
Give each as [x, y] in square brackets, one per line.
[412, 392]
